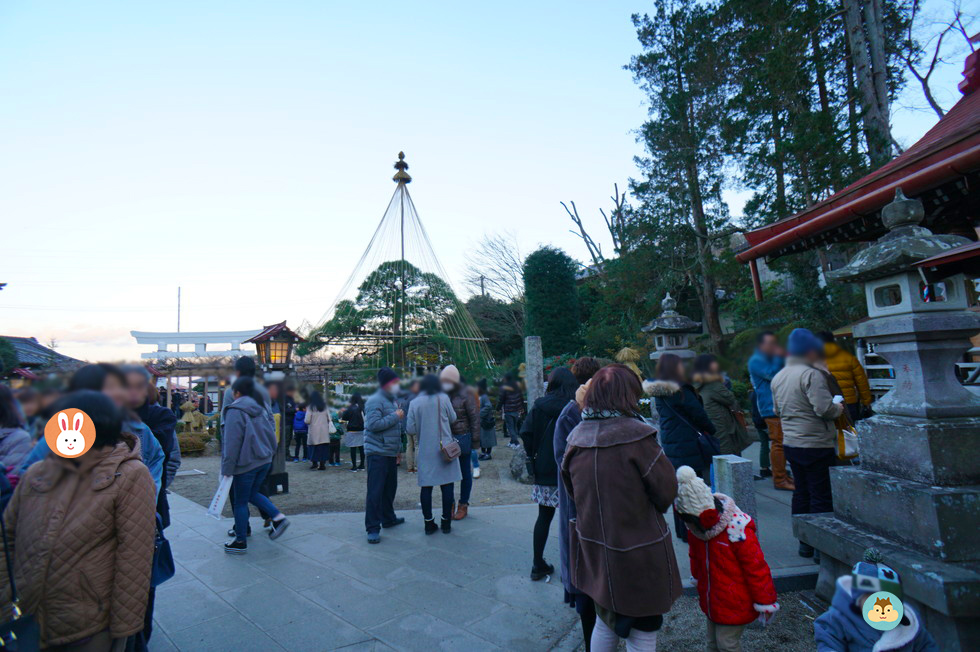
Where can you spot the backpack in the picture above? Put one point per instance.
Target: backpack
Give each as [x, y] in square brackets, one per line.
[487, 422]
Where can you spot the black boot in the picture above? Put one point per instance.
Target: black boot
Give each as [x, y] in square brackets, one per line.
[540, 571]
[430, 526]
[447, 526]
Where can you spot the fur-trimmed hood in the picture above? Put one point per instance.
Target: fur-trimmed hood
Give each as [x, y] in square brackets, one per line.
[705, 378]
[660, 388]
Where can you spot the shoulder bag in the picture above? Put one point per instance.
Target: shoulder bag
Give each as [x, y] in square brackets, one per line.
[450, 450]
[163, 557]
[21, 633]
[708, 445]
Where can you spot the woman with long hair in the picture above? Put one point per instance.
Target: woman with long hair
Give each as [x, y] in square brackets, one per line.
[682, 419]
[80, 533]
[321, 426]
[538, 434]
[430, 415]
[353, 416]
[621, 484]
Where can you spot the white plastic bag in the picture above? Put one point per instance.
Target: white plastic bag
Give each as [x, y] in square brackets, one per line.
[220, 497]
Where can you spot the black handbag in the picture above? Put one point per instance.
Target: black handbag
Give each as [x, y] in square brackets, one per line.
[21, 633]
[163, 558]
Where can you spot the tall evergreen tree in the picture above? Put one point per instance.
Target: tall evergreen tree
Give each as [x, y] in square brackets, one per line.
[551, 300]
[683, 214]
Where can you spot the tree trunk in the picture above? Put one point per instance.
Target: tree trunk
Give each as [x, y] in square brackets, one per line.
[875, 123]
[709, 305]
[852, 120]
[779, 164]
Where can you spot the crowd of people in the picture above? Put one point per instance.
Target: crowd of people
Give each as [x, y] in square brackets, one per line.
[610, 472]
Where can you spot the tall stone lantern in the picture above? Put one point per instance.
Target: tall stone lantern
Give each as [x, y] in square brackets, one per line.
[671, 330]
[916, 494]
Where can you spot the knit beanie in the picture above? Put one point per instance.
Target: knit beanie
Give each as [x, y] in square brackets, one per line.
[693, 495]
[386, 375]
[802, 341]
[450, 374]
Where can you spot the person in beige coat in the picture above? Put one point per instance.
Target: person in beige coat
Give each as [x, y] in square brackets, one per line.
[807, 409]
[321, 427]
[80, 533]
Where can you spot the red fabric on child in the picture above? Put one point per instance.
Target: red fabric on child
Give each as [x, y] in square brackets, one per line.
[733, 580]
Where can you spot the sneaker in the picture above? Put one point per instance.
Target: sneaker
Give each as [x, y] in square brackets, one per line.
[353, 469]
[374, 537]
[231, 532]
[431, 527]
[541, 572]
[765, 473]
[476, 473]
[278, 527]
[398, 521]
[447, 526]
[236, 547]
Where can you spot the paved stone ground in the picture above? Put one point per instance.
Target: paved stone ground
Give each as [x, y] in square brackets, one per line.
[322, 587]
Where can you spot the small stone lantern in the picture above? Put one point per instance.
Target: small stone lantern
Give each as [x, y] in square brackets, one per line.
[671, 331]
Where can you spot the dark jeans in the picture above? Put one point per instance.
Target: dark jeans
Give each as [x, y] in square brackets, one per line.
[245, 488]
[299, 438]
[763, 447]
[510, 425]
[811, 474]
[334, 457]
[447, 501]
[466, 466]
[382, 483]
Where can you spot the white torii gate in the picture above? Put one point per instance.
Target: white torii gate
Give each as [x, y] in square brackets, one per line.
[200, 340]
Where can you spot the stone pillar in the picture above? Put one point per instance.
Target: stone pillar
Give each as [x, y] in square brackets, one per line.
[734, 478]
[534, 369]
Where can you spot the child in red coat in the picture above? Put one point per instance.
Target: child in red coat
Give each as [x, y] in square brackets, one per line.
[733, 580]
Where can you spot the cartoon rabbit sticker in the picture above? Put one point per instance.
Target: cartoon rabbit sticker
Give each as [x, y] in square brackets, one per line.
[72, 440]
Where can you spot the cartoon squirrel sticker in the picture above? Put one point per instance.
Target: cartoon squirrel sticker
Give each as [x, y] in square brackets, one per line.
[73, 440]
[882, 611]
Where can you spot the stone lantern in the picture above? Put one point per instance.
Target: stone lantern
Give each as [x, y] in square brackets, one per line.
[671, 330]
[916, 494]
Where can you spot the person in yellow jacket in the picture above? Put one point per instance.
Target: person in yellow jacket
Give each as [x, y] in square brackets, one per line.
[850, 375]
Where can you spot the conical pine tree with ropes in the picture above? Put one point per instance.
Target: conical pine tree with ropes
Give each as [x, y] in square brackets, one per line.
[397, 308]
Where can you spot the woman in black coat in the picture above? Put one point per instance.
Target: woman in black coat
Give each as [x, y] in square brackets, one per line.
[538, 434]
[682, 417]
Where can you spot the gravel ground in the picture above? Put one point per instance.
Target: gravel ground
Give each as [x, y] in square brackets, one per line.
[685, 626]
[339, 490]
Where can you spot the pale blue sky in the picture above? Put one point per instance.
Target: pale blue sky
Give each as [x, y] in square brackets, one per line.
[243, 150]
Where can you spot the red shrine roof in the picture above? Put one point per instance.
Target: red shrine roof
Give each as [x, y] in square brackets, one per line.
[946, 153]
[961, 260]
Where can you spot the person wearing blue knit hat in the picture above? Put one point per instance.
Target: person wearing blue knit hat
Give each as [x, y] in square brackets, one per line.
[807, 408]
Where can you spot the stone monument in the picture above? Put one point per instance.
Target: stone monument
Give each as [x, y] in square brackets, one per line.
[916, 494]
[671, 330]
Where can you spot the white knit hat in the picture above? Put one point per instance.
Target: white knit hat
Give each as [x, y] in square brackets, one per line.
[693, 495]
[450, 374]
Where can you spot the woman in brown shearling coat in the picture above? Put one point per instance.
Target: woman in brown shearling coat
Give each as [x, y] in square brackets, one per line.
[620, 548]
[80, 533]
